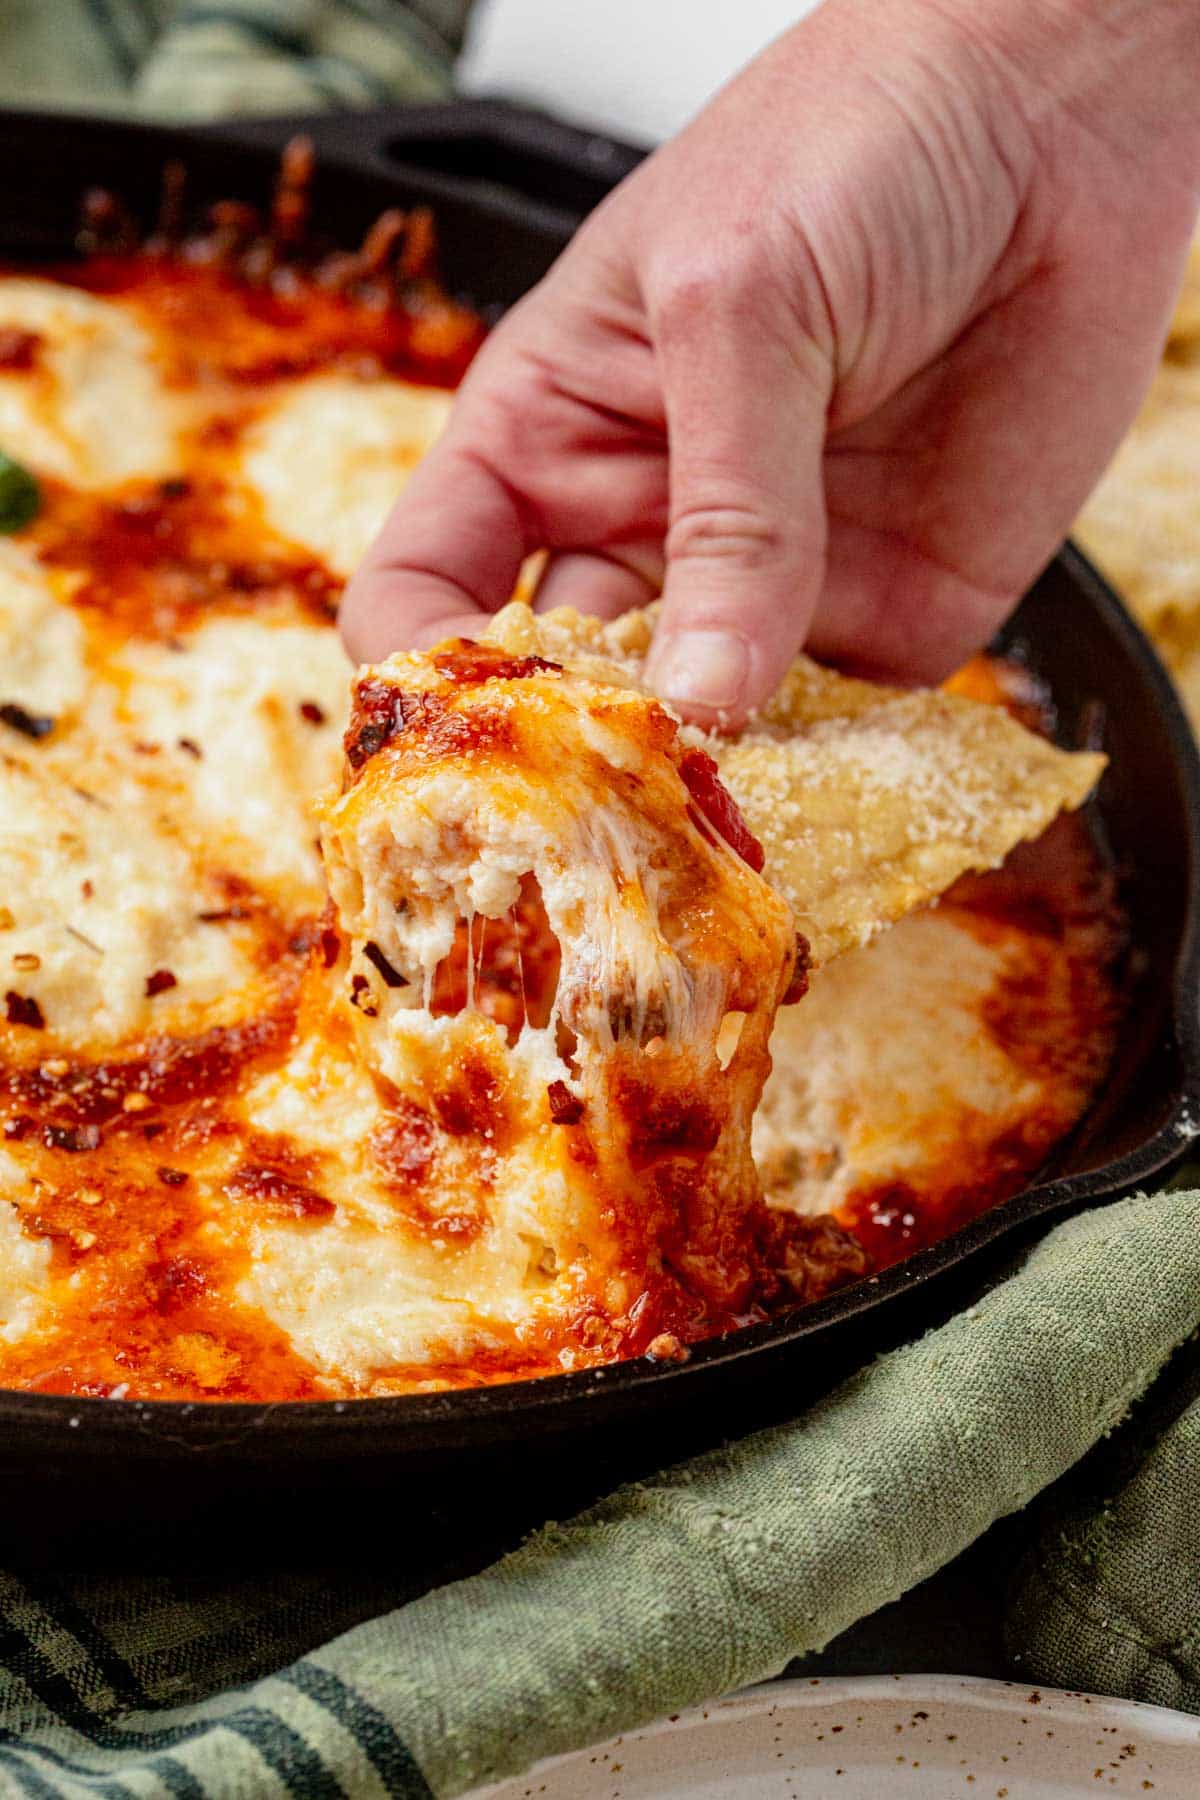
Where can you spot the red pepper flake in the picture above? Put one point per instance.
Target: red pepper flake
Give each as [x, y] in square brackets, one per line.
[172, 1177]
[314, 714]
[18, 349]
[465, 661]
[23, 1009]
[362, 997]
[18, 1127]
[191, 746]
[279, 1192]
[798, 986]
[381, 713]
[392, 977]
[71, 1137]
[159, 982]
[86, 889]
[702, 779]
[175, 487]
[30, 725]
[331, 946]
[566, 1108]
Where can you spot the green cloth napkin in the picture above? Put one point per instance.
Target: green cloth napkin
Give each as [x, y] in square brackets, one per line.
[709, 1576]
[1108, 1596]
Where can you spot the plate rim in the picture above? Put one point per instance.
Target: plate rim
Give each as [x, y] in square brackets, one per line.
[1158, 1726]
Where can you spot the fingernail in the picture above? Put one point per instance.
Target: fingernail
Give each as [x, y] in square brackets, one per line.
[703, 668]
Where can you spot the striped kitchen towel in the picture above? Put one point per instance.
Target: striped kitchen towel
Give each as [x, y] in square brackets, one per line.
[207, 59]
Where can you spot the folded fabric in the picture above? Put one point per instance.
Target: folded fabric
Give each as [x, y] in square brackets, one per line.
[1107, 1596]
[192, 60]
[711, 1575]
[289, 56]
[74, 52]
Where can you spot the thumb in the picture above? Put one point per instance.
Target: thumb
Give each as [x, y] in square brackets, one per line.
[745, 548]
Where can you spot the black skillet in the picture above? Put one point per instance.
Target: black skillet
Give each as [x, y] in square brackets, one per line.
[508, 189]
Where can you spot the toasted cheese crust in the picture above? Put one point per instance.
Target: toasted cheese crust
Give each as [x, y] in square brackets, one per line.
[220, 1174]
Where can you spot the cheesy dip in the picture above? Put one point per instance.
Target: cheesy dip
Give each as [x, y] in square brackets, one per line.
[472, 1120]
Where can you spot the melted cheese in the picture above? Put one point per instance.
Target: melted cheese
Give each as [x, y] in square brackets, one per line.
[927, 1074]
[510, 777]
[236, 690]
[92, 409]
[100, 893]
[236, 1162]
[24, 1257]
[42, 664]
[330, 454]
[888, 1071]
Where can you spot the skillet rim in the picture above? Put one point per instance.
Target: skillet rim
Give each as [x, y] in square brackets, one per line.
[548, 1394]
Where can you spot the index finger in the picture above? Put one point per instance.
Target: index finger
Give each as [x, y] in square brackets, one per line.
[449, 554]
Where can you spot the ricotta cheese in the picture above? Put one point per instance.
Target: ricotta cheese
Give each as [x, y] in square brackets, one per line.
[329, 455]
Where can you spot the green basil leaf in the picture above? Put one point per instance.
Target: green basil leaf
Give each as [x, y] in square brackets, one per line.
[20, 495]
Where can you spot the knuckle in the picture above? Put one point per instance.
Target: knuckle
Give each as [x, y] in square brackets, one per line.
[741, 532]
[725, 282]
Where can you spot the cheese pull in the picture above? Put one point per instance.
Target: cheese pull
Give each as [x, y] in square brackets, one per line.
[569, 922]
[564, 959]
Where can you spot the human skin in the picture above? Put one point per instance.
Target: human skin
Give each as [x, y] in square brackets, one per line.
[835, 367]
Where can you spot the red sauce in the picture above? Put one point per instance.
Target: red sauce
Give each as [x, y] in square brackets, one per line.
[384, 713]
[156, 561]
[220, 326]
[18, 349]
[473, 1105]
[1055, 1010]
[515, 961]
[155, 1312]
[469, 663]
[277, 1193]
[702, 779]
[666, 1124]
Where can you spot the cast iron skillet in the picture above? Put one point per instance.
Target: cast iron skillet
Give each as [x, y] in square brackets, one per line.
[140, 1460]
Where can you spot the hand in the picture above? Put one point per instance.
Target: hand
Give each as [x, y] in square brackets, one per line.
[838, 364]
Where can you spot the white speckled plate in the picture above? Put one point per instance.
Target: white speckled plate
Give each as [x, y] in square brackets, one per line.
[917, 1737]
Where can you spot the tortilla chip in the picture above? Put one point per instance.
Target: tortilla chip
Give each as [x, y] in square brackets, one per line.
[869, 801]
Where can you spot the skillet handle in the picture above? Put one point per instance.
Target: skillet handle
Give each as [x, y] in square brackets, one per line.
[531, 166]
[526, 152]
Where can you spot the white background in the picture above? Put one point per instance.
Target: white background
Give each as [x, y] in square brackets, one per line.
[635, 68]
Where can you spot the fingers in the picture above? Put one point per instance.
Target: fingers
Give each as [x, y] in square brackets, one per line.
[890, 613]
[606, 583]
[448, 552]
[746, 546]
